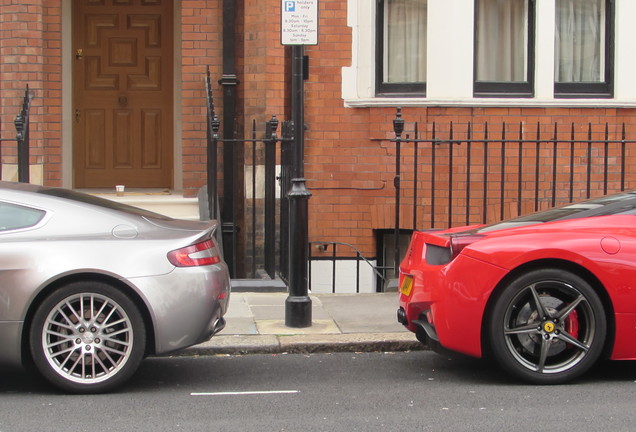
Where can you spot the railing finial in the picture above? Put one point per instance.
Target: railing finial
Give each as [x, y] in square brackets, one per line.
[216, 124]
[398, 123]
[274, 124]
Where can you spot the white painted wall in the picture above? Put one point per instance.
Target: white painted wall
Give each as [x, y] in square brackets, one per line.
[450, 49]
[322, 274]
[450, 58]
[625, 61]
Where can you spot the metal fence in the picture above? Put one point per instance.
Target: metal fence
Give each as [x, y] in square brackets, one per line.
[257, 244]
[446, 175]
[360, 264]
[463, 174]
[22, 126]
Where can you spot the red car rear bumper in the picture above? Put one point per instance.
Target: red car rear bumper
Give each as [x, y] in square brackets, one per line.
[446, 304]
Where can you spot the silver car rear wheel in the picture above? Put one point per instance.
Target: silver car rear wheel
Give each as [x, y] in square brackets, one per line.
[87, 337]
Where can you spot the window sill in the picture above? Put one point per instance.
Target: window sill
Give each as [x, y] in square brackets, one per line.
[380, 102]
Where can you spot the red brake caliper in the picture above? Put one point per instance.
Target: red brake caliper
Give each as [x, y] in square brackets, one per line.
[572, 325]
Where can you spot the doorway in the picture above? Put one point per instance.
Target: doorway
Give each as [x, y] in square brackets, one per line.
[123, 93]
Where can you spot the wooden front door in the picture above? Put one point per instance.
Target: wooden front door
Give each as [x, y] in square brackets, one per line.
[122, 93]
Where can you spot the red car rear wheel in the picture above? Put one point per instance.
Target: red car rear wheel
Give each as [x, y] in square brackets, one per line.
[548, 326]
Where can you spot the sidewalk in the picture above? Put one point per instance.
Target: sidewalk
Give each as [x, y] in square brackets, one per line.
[340, 322]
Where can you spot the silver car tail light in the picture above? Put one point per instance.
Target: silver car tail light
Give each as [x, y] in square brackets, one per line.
[199, 254]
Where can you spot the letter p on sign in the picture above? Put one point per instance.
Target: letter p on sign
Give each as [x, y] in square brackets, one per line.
[290, 6]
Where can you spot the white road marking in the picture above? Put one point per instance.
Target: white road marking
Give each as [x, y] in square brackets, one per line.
[245, 393]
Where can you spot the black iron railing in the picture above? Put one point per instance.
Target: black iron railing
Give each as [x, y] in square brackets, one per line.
[261, 215]
[335, 257]
[22, 126]
[454, 175]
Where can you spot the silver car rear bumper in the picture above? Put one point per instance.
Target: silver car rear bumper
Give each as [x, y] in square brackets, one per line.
[186, 305]
[11, 343]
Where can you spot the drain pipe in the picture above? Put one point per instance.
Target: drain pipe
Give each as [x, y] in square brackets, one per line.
[228, 82]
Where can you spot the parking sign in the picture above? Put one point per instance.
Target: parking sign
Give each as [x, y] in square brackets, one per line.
[299, 22]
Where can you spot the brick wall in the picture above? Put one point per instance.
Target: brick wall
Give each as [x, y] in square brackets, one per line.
[51, 125]
[30, 53]
[201, 44]
[350, 164]
[260, 67]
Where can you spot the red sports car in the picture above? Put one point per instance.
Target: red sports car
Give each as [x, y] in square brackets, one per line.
[545, 295]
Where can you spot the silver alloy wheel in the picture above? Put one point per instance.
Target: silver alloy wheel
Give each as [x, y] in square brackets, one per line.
[87, 338]
[549, 327]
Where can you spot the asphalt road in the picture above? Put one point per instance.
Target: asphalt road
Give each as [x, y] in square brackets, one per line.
[325, 392]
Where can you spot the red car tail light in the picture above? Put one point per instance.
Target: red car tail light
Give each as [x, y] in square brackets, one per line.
[200, 254]
[460, 242]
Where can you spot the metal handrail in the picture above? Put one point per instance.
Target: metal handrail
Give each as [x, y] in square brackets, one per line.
[323, 245]
[22, 127]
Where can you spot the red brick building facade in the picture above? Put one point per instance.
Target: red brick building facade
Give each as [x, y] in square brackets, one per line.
[350, 160]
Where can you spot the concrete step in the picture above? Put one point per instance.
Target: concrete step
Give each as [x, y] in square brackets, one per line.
[166, 202]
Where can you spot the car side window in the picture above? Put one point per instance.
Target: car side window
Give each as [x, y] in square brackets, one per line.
[14, 217]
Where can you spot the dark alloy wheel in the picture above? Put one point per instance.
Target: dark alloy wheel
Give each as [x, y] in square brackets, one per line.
[547, 327]
[87, 337]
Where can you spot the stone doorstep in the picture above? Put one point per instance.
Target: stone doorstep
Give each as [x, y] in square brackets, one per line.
[160, 201]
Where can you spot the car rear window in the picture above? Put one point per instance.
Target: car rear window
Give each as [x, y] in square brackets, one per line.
[621, 203]
[13, 217]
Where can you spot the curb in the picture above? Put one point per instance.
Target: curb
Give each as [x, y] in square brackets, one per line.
[305, 344]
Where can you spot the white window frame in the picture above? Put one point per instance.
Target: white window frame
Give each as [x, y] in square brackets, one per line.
[450, 77]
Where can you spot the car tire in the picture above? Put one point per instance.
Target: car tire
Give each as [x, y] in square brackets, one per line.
[87, 337]
[547, 326]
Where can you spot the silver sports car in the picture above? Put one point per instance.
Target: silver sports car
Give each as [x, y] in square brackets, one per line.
[88, 286]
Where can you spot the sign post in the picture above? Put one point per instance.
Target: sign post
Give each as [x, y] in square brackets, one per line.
[299, 27]
[299, 22]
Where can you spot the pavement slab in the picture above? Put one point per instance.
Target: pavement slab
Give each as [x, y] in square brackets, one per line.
[340, 323]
